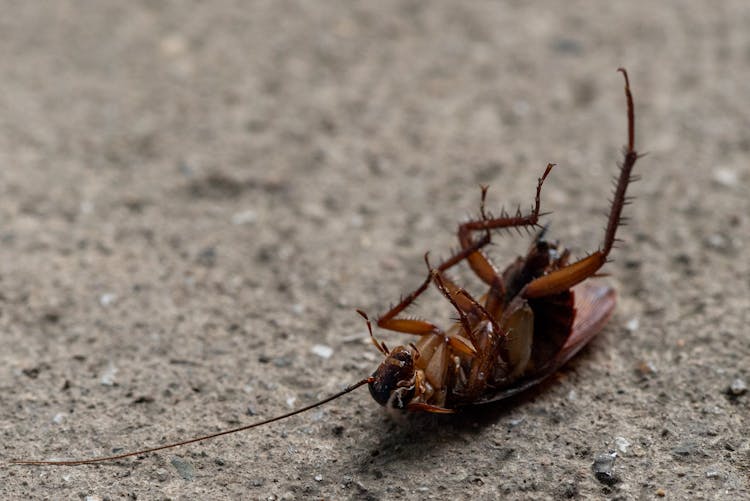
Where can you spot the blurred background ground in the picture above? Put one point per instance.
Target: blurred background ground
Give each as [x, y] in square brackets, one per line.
[195, 195]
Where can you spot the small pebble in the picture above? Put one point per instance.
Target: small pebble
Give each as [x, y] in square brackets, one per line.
[687, 449]
[647, 368]
[93, 498]
[290, 401]
[515, 422]
[726, 177]
[107, 299]
[184, 468]
[712, 474]
[244, 217]
[717, 242]
[59, 418]
[737, 387]
[108, 376]
[318, 477]
[207, 257]
[661, 493]
[603, 468]
[633, 324]
[322, 351]
[622, 445]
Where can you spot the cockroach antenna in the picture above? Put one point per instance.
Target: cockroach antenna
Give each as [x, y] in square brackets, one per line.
[102, 459]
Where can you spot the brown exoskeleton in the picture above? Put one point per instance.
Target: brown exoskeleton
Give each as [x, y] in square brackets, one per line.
[535, 316]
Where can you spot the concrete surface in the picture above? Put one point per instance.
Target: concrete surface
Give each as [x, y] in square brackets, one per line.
[193, 195]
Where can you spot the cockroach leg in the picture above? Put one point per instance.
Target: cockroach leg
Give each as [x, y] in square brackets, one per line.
[390, 320]
[438, 281]
[495, 325]
[466, 344]
[421, 407]
[575, 273]
[380, 345]
[478, 261]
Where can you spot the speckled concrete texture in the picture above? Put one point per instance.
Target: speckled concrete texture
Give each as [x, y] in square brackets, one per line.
[195, 196]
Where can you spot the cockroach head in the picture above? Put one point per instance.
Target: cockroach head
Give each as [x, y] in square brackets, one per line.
[394, 379]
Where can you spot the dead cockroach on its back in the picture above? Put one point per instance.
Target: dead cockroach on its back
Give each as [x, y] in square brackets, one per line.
[535, 315]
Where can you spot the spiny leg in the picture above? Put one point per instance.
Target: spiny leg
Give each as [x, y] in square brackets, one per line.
[380, 345]
[483, 310]
[477, 260]
[440, 284]
[418, 327]
[471, 251]
[464, 303]
[575, 273]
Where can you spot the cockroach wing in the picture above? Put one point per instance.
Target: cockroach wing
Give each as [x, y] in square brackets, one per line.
[594, 305]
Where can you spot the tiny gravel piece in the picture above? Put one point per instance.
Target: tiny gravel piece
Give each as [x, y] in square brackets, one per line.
[725, 177]
[107, 299]
[603, 468]
[687, 450]
[184, 468]
[737, 387]
[322, 351]
[633, 324]
[622, 445]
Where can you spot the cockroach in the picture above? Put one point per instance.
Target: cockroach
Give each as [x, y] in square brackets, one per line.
[535, 315]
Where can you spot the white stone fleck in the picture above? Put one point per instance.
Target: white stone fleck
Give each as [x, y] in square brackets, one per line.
[717, 241]
[58, 418]
[107, 299]
[322, 350]
[726, 177]
[244, 217]
[622, 445]
[738, 387]
[108, 376]
[633, 324]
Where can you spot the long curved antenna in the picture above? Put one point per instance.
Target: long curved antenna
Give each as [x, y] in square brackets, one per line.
[75, 462]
